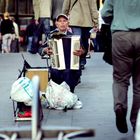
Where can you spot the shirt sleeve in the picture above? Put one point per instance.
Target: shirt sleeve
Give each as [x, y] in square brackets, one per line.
[107, 11]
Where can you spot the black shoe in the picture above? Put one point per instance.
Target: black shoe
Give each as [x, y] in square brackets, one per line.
[134, 129]
[121, 119]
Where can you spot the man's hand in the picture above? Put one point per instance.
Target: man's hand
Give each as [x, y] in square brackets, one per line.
[36, 22]
[79, 52]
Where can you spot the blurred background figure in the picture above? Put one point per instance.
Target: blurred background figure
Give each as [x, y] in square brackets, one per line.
[103, 38]
[30, 30]
[83, 15]
[7, 29]
[15, 38]
[0, 33]
[42, 12]
[56, 10]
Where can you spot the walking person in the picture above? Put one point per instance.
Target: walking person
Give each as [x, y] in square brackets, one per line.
[30, 30]
[42, 13]
[83, 16]
[15, 39]
[7, 29]
[125, 27]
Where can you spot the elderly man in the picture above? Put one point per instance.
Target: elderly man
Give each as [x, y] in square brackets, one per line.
[71, 77]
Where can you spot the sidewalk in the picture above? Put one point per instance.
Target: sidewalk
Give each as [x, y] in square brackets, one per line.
[95, 92]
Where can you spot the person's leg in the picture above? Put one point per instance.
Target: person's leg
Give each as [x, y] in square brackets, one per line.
[37, 37]
[136, 80]
[71, 77]
[84, 40]
[9, 40]
[5, 43]
[29, 45]
[122, 66]
[85, 37]
[57, 75]
[4, 40]
[46, 26]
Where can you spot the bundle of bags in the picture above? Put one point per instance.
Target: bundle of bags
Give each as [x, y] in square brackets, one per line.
[57, 96]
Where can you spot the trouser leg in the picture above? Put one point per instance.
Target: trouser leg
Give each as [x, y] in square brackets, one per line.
[126, 63]
[46, 26]
[122, 66]
[71, 77]
[136, 81]
[6, 42]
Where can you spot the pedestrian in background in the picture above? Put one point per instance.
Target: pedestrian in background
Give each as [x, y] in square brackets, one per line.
[83, 16]
[15, 38]
[7, 29]
[42, 13]
[124, 17]
[104, 39]
[30, 30]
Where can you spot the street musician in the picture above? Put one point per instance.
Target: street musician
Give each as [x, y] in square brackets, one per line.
[70, 76]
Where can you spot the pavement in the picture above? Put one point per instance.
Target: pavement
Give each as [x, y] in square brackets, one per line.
[94, 91]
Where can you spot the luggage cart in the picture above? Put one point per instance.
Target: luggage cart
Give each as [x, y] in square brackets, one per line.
[27, 71]
[36, 131]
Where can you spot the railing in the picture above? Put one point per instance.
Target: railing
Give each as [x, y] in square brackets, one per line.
[36, 132]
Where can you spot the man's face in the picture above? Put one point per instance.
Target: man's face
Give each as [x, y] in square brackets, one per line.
[62, 24]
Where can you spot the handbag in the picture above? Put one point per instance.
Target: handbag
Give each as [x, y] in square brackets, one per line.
[106, 40]
[107, 57]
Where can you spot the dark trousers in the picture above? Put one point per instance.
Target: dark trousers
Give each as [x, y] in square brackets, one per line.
[14, 45]
[42, 28]
[126, 65]
[71, 77]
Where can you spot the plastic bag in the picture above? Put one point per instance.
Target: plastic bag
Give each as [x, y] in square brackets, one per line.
[22, 90]
[59, 96]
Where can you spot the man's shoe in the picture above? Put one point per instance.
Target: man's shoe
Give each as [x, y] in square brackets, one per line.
[134, 129]
[121, 119]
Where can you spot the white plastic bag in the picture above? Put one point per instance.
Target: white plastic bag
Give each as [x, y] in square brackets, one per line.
[59, 96]
[22, 90]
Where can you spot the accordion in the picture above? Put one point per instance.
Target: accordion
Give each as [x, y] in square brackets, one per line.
[63, 57]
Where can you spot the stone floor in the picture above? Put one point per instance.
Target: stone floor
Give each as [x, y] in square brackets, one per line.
[95, 92]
